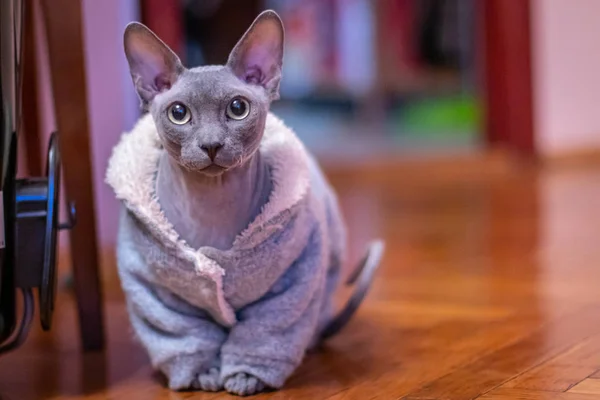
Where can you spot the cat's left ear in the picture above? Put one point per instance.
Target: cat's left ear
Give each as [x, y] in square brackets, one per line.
[258, 57]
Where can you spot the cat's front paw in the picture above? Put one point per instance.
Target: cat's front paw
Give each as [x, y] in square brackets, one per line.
[244, 384]
[210, 381]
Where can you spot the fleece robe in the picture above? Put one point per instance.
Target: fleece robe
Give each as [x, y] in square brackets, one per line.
[255, 308]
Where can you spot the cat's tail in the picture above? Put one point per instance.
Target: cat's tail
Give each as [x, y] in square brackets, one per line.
[361, 278]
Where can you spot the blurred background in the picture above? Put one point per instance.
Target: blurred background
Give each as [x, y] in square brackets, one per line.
[361, 78]
[366, 82]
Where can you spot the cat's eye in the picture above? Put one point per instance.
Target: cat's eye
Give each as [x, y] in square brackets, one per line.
[179, 114]
[238, 109]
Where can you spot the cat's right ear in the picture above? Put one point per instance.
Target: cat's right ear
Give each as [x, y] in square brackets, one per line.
[258, 57]
[153, 65]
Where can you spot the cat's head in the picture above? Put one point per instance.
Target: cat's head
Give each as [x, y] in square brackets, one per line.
[210, 119]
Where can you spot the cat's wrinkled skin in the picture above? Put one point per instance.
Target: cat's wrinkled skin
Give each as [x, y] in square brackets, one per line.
[212, 211]
[195, 191]
[210, 200]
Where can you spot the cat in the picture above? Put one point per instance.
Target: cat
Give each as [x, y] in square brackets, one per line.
[231, 240]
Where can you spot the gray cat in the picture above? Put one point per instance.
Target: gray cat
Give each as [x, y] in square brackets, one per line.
[230, 242]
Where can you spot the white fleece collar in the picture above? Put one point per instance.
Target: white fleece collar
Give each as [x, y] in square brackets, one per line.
[132, 173]
[134, 162]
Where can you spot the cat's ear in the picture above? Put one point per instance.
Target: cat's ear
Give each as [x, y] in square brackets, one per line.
[153, 65]
[258, 57]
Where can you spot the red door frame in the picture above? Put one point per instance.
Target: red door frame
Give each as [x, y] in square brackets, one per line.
[165, 18]
[507, 74]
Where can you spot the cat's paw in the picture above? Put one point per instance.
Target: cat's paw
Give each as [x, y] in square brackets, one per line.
[210, 381]
[244, 384]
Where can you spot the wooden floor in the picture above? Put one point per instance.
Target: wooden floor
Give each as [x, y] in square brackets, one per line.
[490, 289]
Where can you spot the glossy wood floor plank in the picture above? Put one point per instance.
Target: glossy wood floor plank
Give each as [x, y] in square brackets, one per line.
[596, 375]
[587, 386]
[563, 371]
[492, 370]
[516, 394]
[489, 289]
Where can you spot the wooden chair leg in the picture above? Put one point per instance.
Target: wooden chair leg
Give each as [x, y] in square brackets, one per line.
[63, 22]
[31, 124]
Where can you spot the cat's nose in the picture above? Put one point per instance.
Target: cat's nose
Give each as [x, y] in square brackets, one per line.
[212, 149]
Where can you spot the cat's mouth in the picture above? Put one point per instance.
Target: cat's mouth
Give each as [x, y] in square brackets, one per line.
[213, 169]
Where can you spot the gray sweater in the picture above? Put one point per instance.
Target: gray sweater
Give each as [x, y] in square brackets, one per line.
[255, 308]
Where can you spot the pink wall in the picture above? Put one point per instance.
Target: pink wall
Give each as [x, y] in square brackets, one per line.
[566, 72]
[113, 105]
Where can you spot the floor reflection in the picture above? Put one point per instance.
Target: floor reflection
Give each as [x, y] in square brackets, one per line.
[490, 273]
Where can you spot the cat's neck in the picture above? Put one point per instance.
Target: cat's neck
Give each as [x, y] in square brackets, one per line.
[212, 211]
